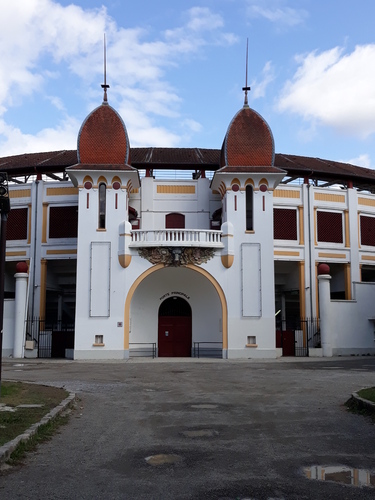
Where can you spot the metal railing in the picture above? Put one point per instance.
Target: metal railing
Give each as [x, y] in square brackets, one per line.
[51, 338]
[177, 237]
[206, 350]
[142, 351]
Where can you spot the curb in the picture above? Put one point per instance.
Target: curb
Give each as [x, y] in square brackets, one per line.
[7, 449]
[362, 403]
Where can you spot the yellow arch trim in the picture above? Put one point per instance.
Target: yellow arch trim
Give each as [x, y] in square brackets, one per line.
[157, 267]
[249, 181]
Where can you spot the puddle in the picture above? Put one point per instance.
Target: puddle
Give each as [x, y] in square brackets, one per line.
[163, 459]
[204, 406]
[200, 433]
[341, 474]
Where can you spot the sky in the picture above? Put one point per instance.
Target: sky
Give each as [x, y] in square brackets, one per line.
[176, 69]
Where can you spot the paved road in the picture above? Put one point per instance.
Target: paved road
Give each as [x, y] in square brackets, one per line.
[227, 430]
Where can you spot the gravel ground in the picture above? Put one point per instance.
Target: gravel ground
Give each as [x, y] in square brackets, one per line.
[213, 429]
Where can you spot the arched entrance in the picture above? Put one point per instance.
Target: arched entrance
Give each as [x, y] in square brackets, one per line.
[174, 328]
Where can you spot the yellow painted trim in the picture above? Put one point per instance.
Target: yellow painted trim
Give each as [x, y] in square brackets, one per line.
[263, 180]
[29, 225]
[61, 252]
[61, 191]
[20, 253]
[249, 181]
[331, 198]
[102, 179]
[134, 191]
[157, 267]
[286, 193]
[286, 252]
[346, 222]
[215, 192]
[43, 288]
[366, 202]
[227, 236]
[124, 260]
[44, 222]
[172, 189]
[19, 193]
[301, 226]
[101, 230]
[235, 181]
[116, 178]
[348, 283]
[326, 255]
[251, 345]
[98, 345]
[227, 260]
[363, 257]
[87, 178]
[250, 231]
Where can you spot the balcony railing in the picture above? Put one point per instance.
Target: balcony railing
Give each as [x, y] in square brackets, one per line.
[176, 237]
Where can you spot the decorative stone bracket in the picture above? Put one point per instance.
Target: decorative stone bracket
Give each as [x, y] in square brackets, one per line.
[176, 256]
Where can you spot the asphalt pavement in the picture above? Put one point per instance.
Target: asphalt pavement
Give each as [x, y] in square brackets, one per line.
[201, 429]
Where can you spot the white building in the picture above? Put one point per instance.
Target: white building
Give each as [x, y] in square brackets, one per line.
[173, 252]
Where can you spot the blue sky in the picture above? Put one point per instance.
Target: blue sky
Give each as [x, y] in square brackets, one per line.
[176, 70]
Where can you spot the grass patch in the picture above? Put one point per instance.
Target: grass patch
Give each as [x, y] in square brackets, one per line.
[13, 423]
[44, 433]
[368, 394]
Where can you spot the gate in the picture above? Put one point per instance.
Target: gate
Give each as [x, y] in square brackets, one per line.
[51, 338]
[296, 336]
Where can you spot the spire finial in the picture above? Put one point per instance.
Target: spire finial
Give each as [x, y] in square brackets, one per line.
[105, 86]
[246, 88]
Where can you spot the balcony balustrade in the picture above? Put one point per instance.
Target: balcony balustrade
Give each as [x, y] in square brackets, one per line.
[176, 237]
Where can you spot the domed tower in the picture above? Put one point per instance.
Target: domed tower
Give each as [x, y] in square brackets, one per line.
[104, 179]
[246, 181]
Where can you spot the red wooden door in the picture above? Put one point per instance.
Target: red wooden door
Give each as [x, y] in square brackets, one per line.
[174, 337]
[175, 221]
[174, 330]
[288, 341]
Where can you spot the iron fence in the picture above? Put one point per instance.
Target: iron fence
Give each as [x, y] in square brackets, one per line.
[207, 350]
[51, 339]
[142, 349]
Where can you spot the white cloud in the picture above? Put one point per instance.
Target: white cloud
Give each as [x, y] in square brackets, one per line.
[362, 160]
[259, 87]
[276, 11]
[13, 141]
[334, 89]
[44, 44]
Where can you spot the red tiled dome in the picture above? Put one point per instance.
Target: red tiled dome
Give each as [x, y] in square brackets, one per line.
[248, 141]
[103, 138]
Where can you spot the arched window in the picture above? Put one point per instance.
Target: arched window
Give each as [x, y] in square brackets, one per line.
[249, 208]
[102, 204]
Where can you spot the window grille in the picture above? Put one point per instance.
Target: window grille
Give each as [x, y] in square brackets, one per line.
[63, 222]
[285, 224]
[367, 225]
[330, 227]
[17, 224]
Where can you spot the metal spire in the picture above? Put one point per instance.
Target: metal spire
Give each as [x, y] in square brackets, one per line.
[246, 88]
[105, 86]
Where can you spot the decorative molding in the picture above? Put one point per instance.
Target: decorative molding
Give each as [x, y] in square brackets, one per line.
[331, 255]
[366, 202]
[172, 189]
[332, 198]
[61, 191]
[20, 193]
[177, 256]
[287, 193]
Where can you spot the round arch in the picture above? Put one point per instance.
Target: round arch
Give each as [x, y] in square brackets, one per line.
[157, 267]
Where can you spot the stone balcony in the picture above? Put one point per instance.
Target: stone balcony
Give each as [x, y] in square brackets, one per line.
[203, 238]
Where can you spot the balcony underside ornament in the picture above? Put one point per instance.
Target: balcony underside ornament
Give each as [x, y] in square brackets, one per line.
[177, 256]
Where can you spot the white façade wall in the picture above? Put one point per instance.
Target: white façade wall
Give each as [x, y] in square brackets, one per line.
[350, 325]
